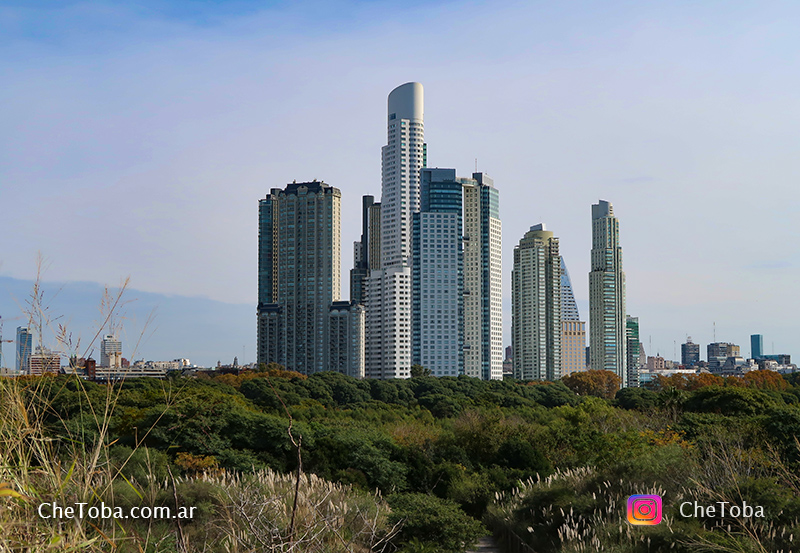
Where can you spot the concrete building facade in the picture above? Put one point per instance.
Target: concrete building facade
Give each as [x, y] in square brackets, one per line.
[299, 274]
[110, 348]
[389, 287]
[536, 306]
[607, 324]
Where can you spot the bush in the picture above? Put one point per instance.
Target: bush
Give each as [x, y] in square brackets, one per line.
[434, 521]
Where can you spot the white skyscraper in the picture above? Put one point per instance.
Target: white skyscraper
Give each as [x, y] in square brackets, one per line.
[388, 325]
[607, 330]
[110, 351]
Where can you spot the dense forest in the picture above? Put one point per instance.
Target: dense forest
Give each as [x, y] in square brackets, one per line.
[418, 465]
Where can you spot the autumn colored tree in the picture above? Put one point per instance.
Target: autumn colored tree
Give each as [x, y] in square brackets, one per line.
[765, 380]
[603, 384]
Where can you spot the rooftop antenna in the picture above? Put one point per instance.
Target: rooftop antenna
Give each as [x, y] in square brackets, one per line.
[715, 332]
[476, 164]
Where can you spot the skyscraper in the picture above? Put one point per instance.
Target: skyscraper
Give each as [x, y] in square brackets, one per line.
[456, 276]
[718, 353]
[389, 288]
[299, 274]
[438, 275]
[483, 279]
[361, 251]
[110, 351]
[536, 306]
[569, 307]
[607, 330]
[346, 338]
[632, 350]
[756, 346]
[690, 353]
[24, 345]
[573, 330]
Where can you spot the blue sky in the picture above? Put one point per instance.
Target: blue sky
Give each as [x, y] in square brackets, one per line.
[136, 138]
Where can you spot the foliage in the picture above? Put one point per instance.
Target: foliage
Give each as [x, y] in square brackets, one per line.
[453, 445]
[603, 383]
[428, 519]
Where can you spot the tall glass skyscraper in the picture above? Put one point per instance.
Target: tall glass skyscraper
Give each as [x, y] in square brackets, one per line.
[24, 345]
[756, 346]
[607, 328]
[536, 306]
[573, 330]
[388, 326]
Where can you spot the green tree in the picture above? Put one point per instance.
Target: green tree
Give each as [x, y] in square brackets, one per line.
[419, 370]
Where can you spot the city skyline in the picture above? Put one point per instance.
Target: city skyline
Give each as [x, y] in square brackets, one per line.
[163, 146]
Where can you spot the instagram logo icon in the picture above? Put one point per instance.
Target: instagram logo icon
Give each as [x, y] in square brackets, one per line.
[644, 509]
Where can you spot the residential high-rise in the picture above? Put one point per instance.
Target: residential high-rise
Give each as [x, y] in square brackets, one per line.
[361, 251]
[536, 306]
[457, 276]
[756, 346]
[573, 330]
[607, 330]
[632, 350]
[483, 279]
[346, 338]
[24, 345]
[690, 353]
[438, 275]
[573, 347]
[389, 287]
[299, 274]
[110, 348]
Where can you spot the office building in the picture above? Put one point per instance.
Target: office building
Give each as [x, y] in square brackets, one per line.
[607, 325]
[756, 346]
[690, 353]
[438, 275]
[573, 347]
[718, 353]
[536, 306]
[44, 361]
[346, 327]
[299, 271]
[483, 279]
[388, 293]
[632, 350]
[24, 345]
[573, 330]
[110, 348]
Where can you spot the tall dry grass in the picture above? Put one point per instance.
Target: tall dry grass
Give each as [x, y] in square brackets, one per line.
[45, 458]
